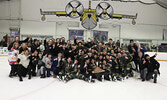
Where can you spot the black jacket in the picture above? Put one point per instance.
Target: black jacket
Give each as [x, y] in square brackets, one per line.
[33, 60]
[130, 48]
[84, 70]
[140, 63]
[48, 48]
[34, 47]
[152, 64]
[3, 44]
[20, 42]
[21, 49]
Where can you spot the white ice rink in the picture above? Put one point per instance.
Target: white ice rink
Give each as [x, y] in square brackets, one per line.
[53, 89]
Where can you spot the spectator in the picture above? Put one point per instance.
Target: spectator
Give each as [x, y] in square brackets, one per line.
[118, 43]
[3, 43]
[141, 48]
[18, 40]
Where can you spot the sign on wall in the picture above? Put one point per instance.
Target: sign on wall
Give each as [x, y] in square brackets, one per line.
[3, 51]
[15, 32]
[101, 36]
[74, 33]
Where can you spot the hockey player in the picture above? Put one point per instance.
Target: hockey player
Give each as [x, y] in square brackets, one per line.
[110, 67]
[90, 70]
[133, 49]
[67, 69]
[119, 66]
[86, 69]
[100, 47]
[73, 71]
[80, 56]
[107, 71]
[110, 43]
[127, 68]
[93, 65]
[65, 64]
[115, 69]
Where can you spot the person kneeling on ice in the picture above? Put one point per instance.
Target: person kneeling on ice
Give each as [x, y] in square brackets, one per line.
[47, 67]
[23, 67]
[152, 66]
[65, 64]
[72, 71]
[86, 69]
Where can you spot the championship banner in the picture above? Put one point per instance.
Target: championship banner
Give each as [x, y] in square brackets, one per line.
[3, 51]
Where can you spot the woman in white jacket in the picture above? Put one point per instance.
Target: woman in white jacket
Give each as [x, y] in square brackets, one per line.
[23, 68]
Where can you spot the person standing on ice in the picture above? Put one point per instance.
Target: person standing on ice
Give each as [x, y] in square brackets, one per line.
[12, 58]
[152, 66]
[133, 49]
[141, 48]
[142, 68]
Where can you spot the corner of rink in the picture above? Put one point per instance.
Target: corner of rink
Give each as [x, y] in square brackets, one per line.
[50, 88]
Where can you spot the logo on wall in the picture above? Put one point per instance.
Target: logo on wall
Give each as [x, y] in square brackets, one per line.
[88, 17]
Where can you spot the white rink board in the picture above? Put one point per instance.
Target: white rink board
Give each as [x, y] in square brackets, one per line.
[161, 56]
[3, 51]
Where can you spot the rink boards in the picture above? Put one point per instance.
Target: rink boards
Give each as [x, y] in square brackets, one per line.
[160, 57]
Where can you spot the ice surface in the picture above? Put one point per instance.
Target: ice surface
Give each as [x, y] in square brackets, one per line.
[53, 89]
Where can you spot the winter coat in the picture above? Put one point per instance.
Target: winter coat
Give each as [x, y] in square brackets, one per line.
[152, 64]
